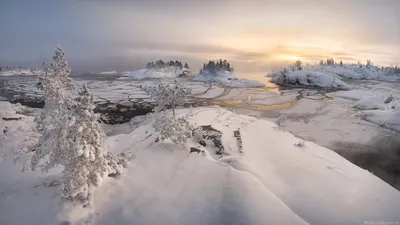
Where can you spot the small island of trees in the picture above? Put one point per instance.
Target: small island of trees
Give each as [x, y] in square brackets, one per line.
[216, 66]
[161, 64]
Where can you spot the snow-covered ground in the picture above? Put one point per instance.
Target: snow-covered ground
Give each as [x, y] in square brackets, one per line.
[380, 104]
[108, 73]
[331, 77]
[21, 72]
[227, 78]
[166, 72]
[270, 181]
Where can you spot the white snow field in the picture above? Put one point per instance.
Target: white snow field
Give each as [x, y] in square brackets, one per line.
[271, 181]
[330, 76]
[166, 72]
[21, 72]
[227, 78]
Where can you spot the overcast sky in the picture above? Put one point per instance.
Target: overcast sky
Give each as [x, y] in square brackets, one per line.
[256, 35]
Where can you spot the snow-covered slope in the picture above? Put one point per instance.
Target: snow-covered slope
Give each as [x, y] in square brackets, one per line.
[325, 76]
[227, 78]
[269, 181]
[167, 72]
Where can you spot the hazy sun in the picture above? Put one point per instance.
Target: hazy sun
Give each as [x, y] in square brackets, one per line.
[288, 57]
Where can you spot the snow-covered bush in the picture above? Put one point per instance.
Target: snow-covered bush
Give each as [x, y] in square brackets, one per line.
[169, 95]
[177, 130]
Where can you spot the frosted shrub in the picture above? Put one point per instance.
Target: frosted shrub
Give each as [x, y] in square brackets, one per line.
[177, 130]
[170, 95]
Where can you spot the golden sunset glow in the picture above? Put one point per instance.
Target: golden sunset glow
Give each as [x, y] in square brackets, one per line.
[287, 57]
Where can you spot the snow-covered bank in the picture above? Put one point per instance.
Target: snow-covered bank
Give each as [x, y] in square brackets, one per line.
[381, 104]
[156, 73]
[226, 78]
[330, 76]
[310, 79]
[271, 182]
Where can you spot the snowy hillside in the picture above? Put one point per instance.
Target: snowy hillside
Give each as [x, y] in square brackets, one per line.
[263, 176]
[21, 72]
[329, 76]
[156, 73]
[226, 78]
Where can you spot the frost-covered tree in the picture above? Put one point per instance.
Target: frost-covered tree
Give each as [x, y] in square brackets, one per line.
[85, 160]
[70, 135]
[341, 63]
[298, 64]
[369, 64]
[55, 117]
[321, 62]
[169, 96]
[216, 66]
[186, 66]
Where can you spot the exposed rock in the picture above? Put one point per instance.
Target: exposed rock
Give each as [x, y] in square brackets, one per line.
[206, 132]
[238, 137]
[10, 118]
[388, 99]
[196, 150]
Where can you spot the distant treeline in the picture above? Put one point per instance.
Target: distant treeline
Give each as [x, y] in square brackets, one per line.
[215, 66]
[161, 64]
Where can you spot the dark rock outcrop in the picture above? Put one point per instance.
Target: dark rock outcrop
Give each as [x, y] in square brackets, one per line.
[207, 132]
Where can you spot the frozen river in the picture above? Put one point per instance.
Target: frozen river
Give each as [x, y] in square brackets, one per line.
[312, 115]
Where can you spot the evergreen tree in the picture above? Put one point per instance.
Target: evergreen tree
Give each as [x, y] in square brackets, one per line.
[369, 63]
[55, 117]
[186, 66]
[86, 161]
[71, 135]
[297, 65]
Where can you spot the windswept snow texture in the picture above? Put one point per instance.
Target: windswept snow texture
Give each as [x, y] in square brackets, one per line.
[331, 76]
[167, 72]
[271, 181]
[227, 78]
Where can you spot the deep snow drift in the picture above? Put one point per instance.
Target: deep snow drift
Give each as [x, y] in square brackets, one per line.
[330, 76]
[226, 78]
[156, 73]
[269, 181]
